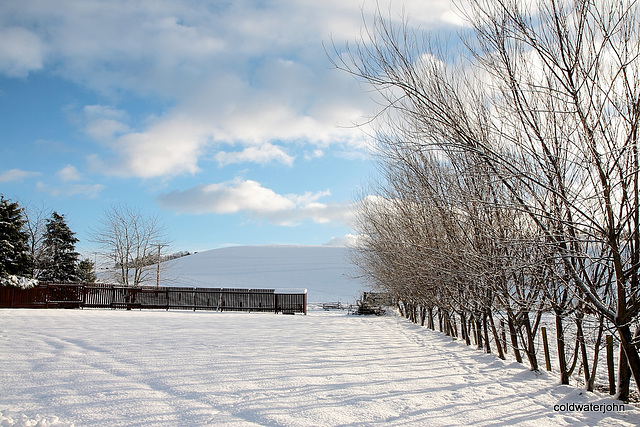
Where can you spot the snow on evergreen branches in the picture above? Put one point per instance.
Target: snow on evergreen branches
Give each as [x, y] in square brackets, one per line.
[18, 281]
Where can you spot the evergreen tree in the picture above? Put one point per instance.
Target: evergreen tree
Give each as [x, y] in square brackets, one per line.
[14, 251]
[60, 256]
[86, 271]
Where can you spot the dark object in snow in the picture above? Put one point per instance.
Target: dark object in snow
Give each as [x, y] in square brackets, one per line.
[373, 303]
[332, 306]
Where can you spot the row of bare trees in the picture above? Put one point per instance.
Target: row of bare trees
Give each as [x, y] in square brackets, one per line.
[511, 174]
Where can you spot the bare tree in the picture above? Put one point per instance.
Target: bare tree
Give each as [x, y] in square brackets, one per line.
[133, 242]
[35, 226]
[546, 101]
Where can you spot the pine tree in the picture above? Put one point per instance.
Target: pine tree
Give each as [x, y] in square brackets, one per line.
[14, 251]
[87, 271]
[60, 256]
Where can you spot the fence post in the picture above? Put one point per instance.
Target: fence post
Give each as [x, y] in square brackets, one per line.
[545, 342]
[611, 368]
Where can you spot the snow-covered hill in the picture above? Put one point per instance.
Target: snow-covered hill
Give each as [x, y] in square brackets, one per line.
[324, 271]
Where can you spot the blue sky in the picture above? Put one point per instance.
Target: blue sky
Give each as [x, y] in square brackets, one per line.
[224, 118]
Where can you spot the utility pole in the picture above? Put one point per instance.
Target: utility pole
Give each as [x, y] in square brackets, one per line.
[160, 246]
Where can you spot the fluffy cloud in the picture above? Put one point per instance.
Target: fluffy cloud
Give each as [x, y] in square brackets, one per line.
[227, 198]
[20, 52]
[16, 175]
[69, 173]
[246, 73]
[103, 123]
[261, 154]
[251, 198]
[167, 148]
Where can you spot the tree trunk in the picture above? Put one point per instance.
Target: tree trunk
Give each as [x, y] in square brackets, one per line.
[624, 376]
[531, 346]
[453, 325]
[472, 328]
[631, 357]
[583, 350]
[562, 358]
[592, 376]
[430, 324]
[401, 308]
[485, 327]
[463, 329]
[496, 336]
[445, 323]
[478, 324]
[513, 332]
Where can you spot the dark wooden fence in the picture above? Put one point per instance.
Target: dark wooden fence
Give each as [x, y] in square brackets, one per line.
[91, 295]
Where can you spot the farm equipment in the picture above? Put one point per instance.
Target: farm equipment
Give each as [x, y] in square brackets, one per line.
[373, 303]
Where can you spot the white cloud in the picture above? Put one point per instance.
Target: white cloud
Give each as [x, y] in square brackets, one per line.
[261, 154]
[247, 73]
[69, 173]
[227, 198]
[16, 175]
[69, 190]
[103, 123]
[250, 197]
[167, 148]
[315, 154]
[20, 52]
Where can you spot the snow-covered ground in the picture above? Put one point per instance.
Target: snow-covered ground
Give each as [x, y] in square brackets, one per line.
[324, 271]
[157, 368]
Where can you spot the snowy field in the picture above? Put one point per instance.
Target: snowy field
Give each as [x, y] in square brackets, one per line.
[179, 368]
